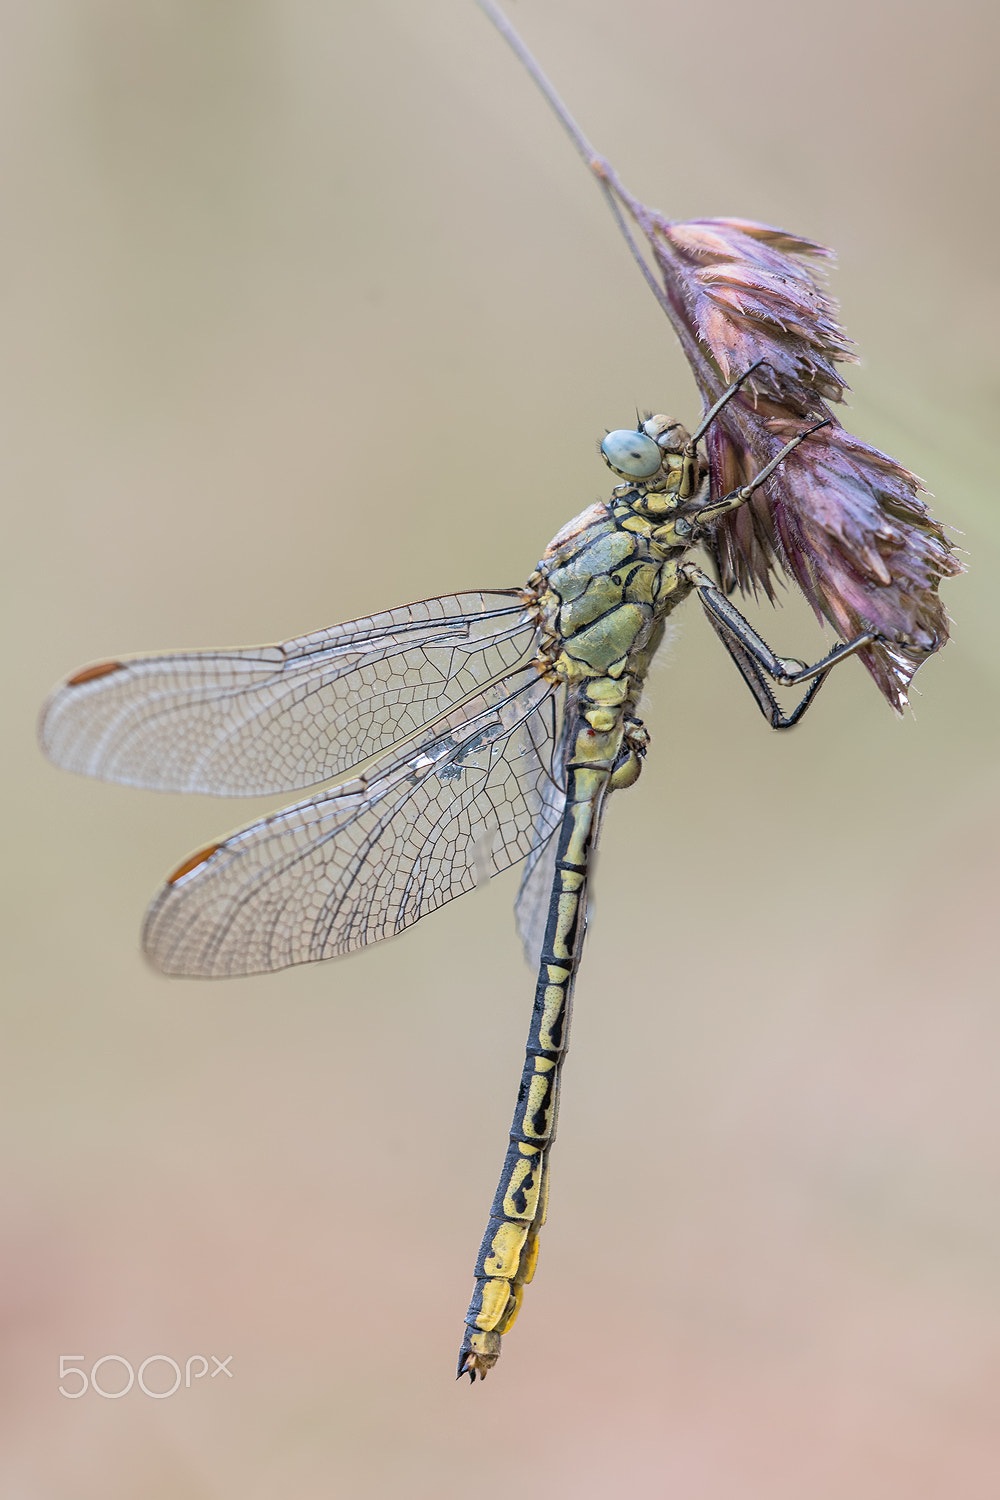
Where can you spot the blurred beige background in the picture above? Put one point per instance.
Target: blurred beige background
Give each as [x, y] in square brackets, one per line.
[310, 310]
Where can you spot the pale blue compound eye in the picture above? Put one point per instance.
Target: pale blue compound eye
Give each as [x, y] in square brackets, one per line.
[631, 454]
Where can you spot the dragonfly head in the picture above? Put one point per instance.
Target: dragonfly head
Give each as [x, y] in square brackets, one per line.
[668, 435]
[638, 453]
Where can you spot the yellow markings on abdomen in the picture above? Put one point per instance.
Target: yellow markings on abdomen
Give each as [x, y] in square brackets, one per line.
[505, 1250]
[524, 1186]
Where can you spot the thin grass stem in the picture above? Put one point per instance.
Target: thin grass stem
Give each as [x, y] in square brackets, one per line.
[608, 181]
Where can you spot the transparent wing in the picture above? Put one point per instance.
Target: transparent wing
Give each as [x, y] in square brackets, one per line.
[366, 859]
[531, 909]
[276, 718]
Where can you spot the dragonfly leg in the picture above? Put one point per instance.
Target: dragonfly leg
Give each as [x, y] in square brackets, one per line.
[722, 402]
[736, 498]
[692, 470]
[754, 658]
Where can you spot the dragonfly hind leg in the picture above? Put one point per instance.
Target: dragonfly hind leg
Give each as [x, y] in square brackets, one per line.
[755, 660]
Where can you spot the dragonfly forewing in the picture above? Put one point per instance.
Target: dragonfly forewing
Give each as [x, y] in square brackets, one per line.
[278, 718]
[370, 857]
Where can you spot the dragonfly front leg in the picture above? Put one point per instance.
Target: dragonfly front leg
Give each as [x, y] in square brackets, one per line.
[691, 467]
[754, 657]
[722, 402]
[726, 503]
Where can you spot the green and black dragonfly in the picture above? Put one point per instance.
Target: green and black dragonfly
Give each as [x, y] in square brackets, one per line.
[491, 728]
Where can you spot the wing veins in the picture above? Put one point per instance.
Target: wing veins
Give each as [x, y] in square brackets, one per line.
[402, 786]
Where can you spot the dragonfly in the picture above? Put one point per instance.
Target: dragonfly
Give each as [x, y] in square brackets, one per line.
[482, 729]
